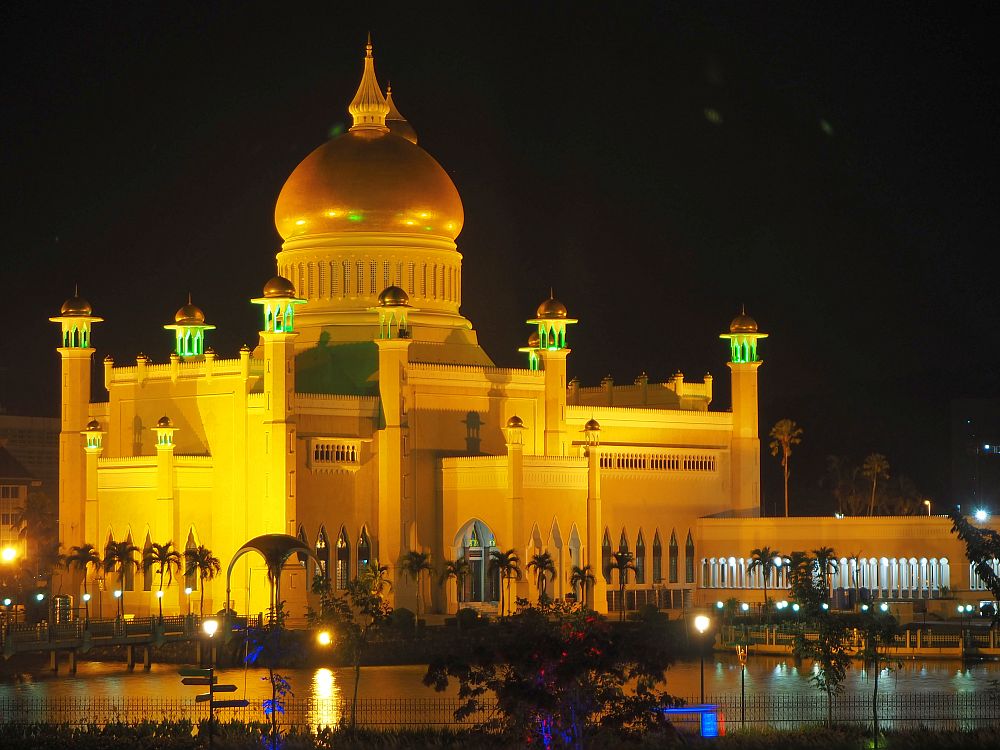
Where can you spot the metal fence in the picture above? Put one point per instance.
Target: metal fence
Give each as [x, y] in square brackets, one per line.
[962, 711]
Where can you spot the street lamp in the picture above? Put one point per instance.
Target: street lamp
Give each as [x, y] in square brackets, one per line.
[928, 504]
[188, 591]
[210, 627]
[701, 624]
[323, 638]
[982, 515]
[9, 554]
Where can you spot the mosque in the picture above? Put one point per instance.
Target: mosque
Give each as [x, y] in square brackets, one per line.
[368, 421]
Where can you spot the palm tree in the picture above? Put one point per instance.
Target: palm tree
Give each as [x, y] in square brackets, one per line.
[120, 557]
[584, 578]
[202, 562]
[414, 564]
[376, 577]
[784, 435]
[506, 564]
[875, 467]
[768, 561]
[83, 557]
[826, 562]
[543, 565]
[622, 562]
[166, 559]
[459, 570]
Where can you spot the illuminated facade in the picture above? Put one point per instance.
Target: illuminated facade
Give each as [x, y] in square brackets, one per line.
[369, 422]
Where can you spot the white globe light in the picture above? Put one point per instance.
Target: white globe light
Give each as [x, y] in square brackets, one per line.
[86, 597]
[777, 561]
[39, 596]
[210, 626]
[884, 607]
[745, 607]
[719, 605]
[701, 623]
[188, 591]
[982, 515]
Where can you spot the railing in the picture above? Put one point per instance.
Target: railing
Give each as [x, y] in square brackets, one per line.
[21, 636]
[909, 639]
[957, 710]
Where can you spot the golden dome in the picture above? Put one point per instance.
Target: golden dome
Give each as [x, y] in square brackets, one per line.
[743, 323]
[164, 421]
[534, 341]
[279, 286]
[592, 426]
[551, 308]
[93, 426]
[75, 306]
[515, 422]
[393, 296]
[369, 180]
[189, 314]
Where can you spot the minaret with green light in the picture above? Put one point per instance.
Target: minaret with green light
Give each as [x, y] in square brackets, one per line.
[552, 318]
[278, 336]
[75, 319]
[743, 337]
[189, 328]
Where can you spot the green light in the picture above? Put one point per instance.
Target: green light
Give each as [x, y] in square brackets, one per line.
[354, 217]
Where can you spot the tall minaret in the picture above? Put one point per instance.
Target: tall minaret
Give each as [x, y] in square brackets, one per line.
[551, 317]
[743, 336]
[75, 318]
[279, 302]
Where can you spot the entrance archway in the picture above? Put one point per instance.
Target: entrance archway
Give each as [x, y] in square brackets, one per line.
[474, 541]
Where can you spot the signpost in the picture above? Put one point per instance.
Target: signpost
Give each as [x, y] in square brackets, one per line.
[207, 677]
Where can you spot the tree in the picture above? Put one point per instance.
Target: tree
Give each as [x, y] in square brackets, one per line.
[764, 558]
[81, 558]
[36, 524]
[415, 564]
[543, 566]
[459, 570]
[506, 564]
[622, 562]
[355, 616]
[830, 652]
[165, 559]
[120, 557]
[802, 582]
[878, 632]
[554, 679]
[201, 562]
[784, 435]
[584, 578]
[982, 547]
[826, 566]
[875, 467]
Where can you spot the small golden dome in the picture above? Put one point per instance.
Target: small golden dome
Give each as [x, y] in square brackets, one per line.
[534, 341]
[515, 422]
[551, 308]
[393, 296]
[76, 306]
[592, 426]
[164, 421]
[93, 426]
[189, 315]
[743, 323]
[279, 286]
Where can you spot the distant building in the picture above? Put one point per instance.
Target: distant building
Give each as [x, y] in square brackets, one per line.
[975, 454]
[34, 442]
[15, 484]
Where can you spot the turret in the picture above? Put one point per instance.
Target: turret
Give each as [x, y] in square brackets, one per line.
[552, 318]
[744, 360]
[189, 328]
[75, 318]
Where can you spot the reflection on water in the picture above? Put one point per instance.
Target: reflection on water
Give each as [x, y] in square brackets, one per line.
[773, 675]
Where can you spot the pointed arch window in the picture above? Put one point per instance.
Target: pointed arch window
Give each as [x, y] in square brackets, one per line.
[302, 556]
[657, 559]
[129, 569]
[364, 551]
[343, 573]
[323, 553]
[147, 570]
[190, 572]
[606, 557]
[689, 559]
[640, 559]
[672, 558]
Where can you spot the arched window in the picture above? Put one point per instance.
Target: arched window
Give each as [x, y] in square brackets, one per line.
[364, 551]
[129, 569]
[147, 570]
[190, 575]
[640, 559]
[343, 572]
[689, 559]
[672, 558]
[323, 553]
[606, 557]
[657, 559]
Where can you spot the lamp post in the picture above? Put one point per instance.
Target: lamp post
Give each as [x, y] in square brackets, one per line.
[701, 624]
[928, 504]
[188, 591]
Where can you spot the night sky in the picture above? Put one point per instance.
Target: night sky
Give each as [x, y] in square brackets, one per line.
[831, 166]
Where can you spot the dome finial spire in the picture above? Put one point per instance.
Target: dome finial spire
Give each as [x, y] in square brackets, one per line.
[369, 107]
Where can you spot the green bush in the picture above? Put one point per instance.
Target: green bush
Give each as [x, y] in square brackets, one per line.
[402, 620]
[468, 618]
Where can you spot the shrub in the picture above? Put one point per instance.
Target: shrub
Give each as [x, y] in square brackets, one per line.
[468, 618]
[403, 620]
